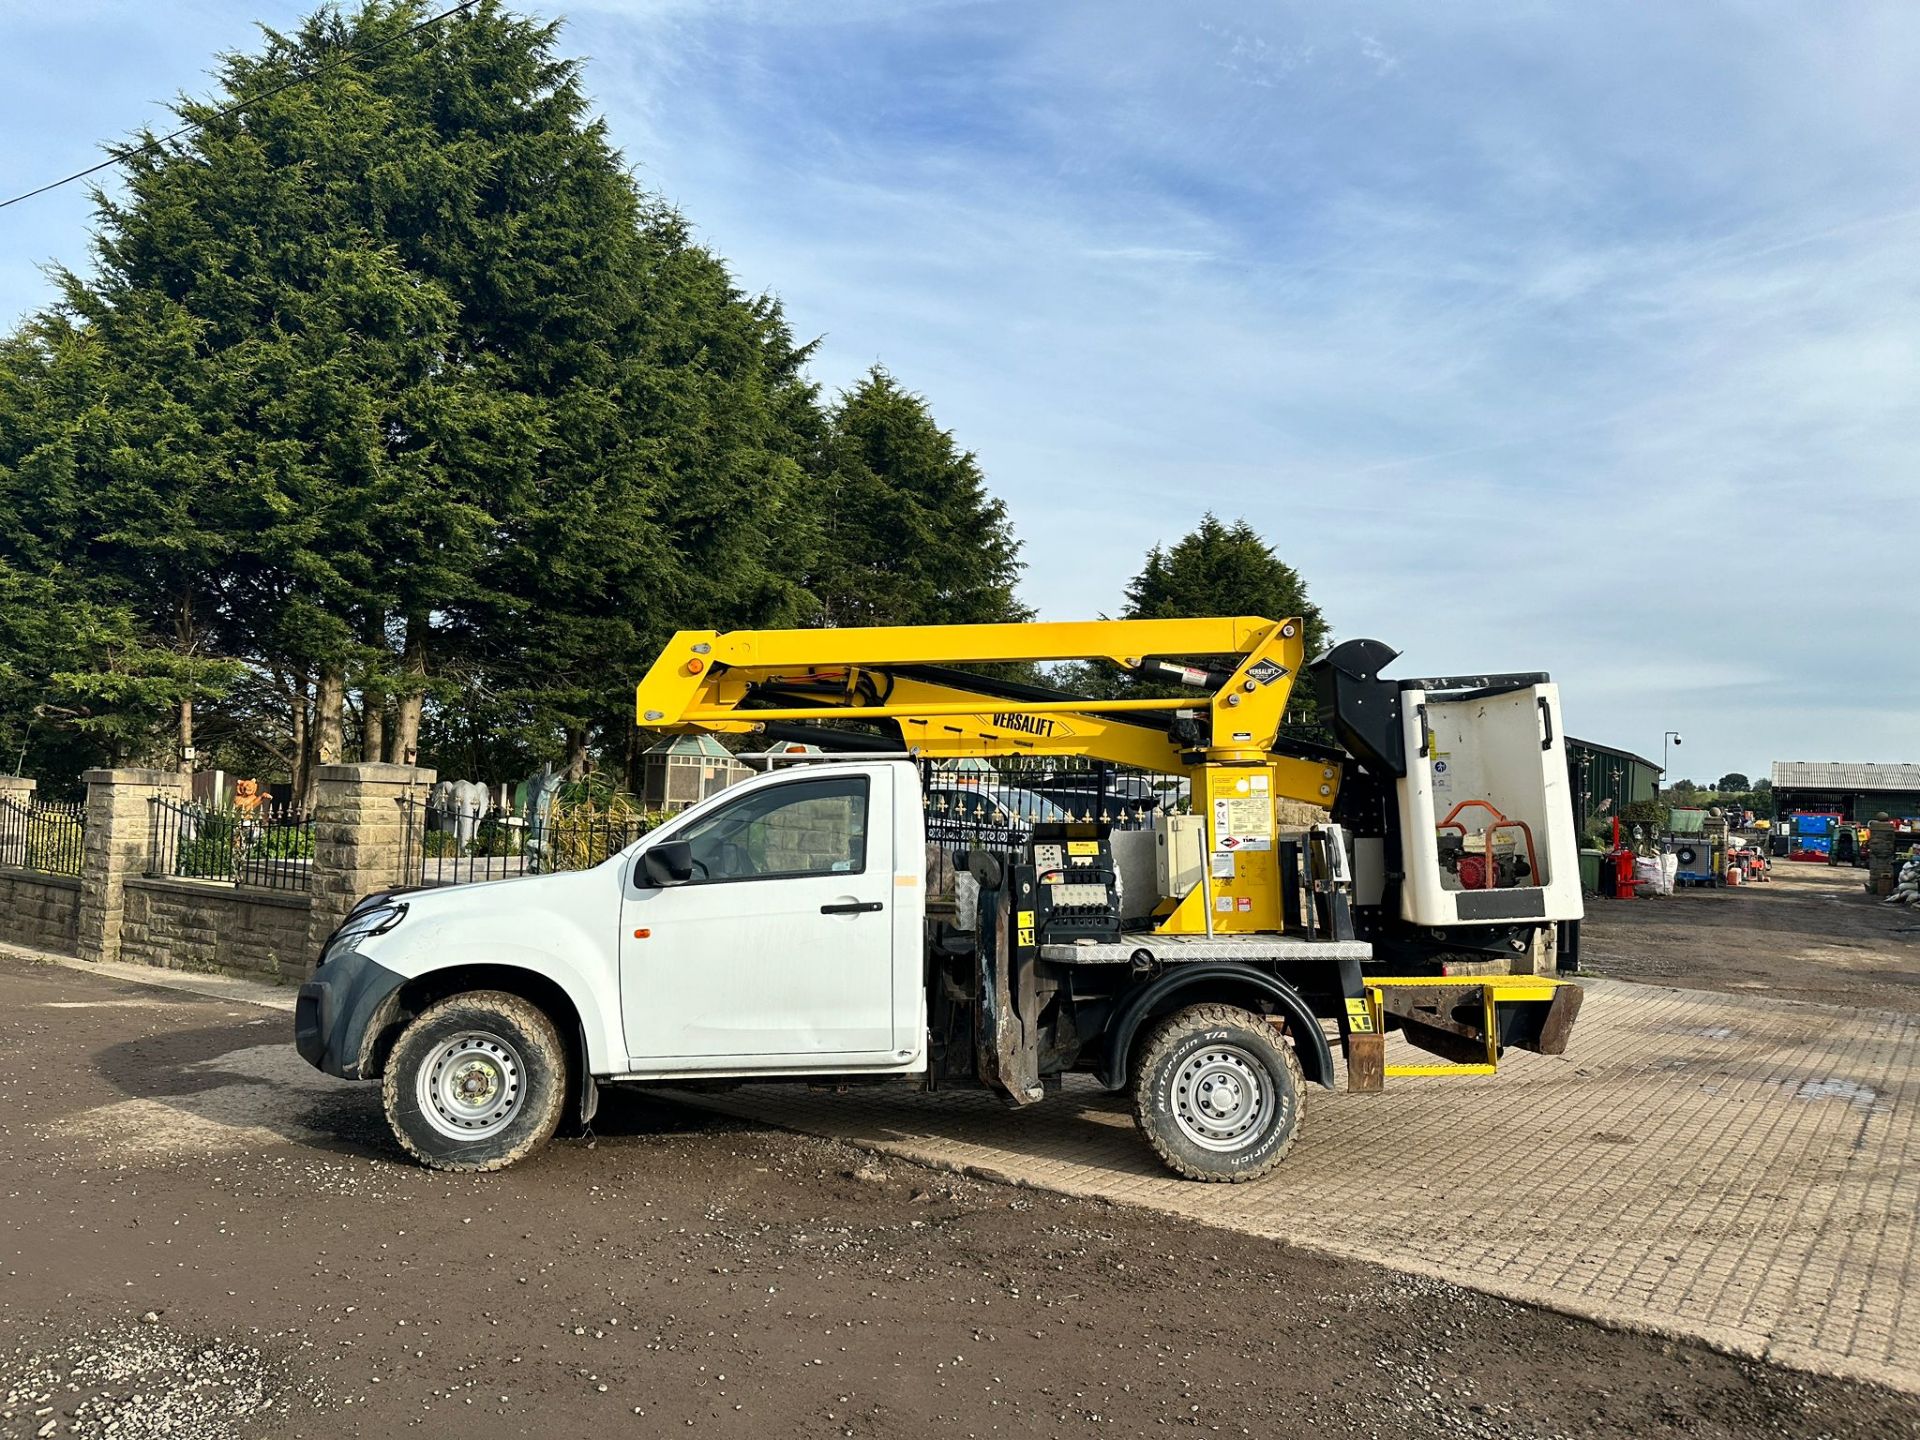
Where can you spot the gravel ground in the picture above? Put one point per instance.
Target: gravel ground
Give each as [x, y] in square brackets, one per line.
[200, 1238]
[142, 1380]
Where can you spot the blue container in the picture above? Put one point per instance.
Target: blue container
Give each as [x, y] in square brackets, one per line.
[1819, 844]
[1812, 824]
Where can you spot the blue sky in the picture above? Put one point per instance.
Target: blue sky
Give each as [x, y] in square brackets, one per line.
[1536, 335]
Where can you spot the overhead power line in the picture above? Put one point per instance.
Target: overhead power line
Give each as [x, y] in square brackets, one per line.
[239, 105]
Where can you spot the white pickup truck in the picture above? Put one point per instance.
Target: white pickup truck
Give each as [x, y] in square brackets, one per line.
[774, 930]
[783, 929]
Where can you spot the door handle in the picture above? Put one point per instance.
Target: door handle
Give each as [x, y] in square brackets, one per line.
[852, 907]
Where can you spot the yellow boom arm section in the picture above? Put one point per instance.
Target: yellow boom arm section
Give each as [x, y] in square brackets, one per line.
[737, 681]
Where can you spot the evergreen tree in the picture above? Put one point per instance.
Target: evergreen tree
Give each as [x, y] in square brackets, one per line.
[381, 269]
[910, 535]
[391, 414]
[102, 574]
[691, 505]
[392, 380]
[1220, 569]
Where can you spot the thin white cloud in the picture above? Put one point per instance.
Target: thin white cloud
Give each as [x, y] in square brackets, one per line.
[1383, 60]
[1149, 254]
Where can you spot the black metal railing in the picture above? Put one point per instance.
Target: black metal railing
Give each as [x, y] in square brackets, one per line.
[48, 836]
[268, 847]
[970, 805]
[994, 805]
[458, 846]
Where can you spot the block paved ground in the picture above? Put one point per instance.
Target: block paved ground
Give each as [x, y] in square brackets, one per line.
[1741, 1170]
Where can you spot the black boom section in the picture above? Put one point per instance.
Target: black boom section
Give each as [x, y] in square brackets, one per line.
[1361, 709]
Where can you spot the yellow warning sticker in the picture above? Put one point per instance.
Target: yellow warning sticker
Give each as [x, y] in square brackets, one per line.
[1359, 1018]
[1083, 847]
[1026, 935]
[1024, 919]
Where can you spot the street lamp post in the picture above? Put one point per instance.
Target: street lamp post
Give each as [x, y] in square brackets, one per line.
[1674, 736]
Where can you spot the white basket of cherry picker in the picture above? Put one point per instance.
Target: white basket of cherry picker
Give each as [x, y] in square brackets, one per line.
[799, 926]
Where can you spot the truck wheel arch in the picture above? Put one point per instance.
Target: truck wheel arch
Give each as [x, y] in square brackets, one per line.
[542, 991]
[1227, 984]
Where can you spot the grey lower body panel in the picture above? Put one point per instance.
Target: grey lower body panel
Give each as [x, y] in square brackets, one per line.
[1182, 949]
[336, 1009]
[1502, 904]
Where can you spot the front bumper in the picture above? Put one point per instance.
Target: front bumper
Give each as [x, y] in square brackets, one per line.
[340, 1013]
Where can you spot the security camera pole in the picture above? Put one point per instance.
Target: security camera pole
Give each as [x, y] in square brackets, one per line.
[1674, 736]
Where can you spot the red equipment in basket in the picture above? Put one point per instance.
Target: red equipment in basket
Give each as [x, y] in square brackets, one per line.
[1479, 872]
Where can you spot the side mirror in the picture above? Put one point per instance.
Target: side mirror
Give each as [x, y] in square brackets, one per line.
[666, 864]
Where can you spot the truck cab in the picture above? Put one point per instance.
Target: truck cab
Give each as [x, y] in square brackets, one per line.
[778, 928]
[774, 929]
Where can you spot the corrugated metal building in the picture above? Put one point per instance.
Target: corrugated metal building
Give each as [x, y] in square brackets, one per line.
[1605, 781]
[1851, 791]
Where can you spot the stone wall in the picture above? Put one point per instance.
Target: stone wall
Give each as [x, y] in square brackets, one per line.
[1298, 815]
[200, 925]
[811, 837]
[118, 825]
[116, 911]
[40, 911]
[359, 836]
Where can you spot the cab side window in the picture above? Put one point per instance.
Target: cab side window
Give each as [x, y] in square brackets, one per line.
[805, 827]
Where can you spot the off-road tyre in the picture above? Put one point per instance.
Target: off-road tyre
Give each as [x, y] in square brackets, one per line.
[497, 1040]
[1214, 1045]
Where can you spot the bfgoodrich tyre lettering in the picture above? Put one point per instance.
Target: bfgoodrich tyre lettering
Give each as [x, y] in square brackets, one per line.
[1218, 1093]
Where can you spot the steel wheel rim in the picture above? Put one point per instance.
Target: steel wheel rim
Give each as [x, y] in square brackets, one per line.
[1221, 1100]
[471, 1086]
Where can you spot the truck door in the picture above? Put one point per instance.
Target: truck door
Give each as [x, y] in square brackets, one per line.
[777, 952]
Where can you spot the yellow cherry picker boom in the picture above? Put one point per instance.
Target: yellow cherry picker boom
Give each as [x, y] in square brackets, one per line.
[1202, 959]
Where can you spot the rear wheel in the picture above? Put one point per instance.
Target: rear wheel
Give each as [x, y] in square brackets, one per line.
[1218, 1094]
[476, 1082]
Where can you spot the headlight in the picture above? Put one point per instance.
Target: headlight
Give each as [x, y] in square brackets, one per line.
[376, 920]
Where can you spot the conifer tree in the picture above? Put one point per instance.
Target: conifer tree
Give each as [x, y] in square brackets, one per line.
[910, 535]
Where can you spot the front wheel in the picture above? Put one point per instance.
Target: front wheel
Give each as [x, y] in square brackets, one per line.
[1218, 1093]
[475, 1082]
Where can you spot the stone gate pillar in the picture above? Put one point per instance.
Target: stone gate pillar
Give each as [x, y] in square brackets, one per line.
[119, 818]
[359, 837]
[18, 790]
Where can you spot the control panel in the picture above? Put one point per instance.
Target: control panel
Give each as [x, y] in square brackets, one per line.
[1077, 887]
